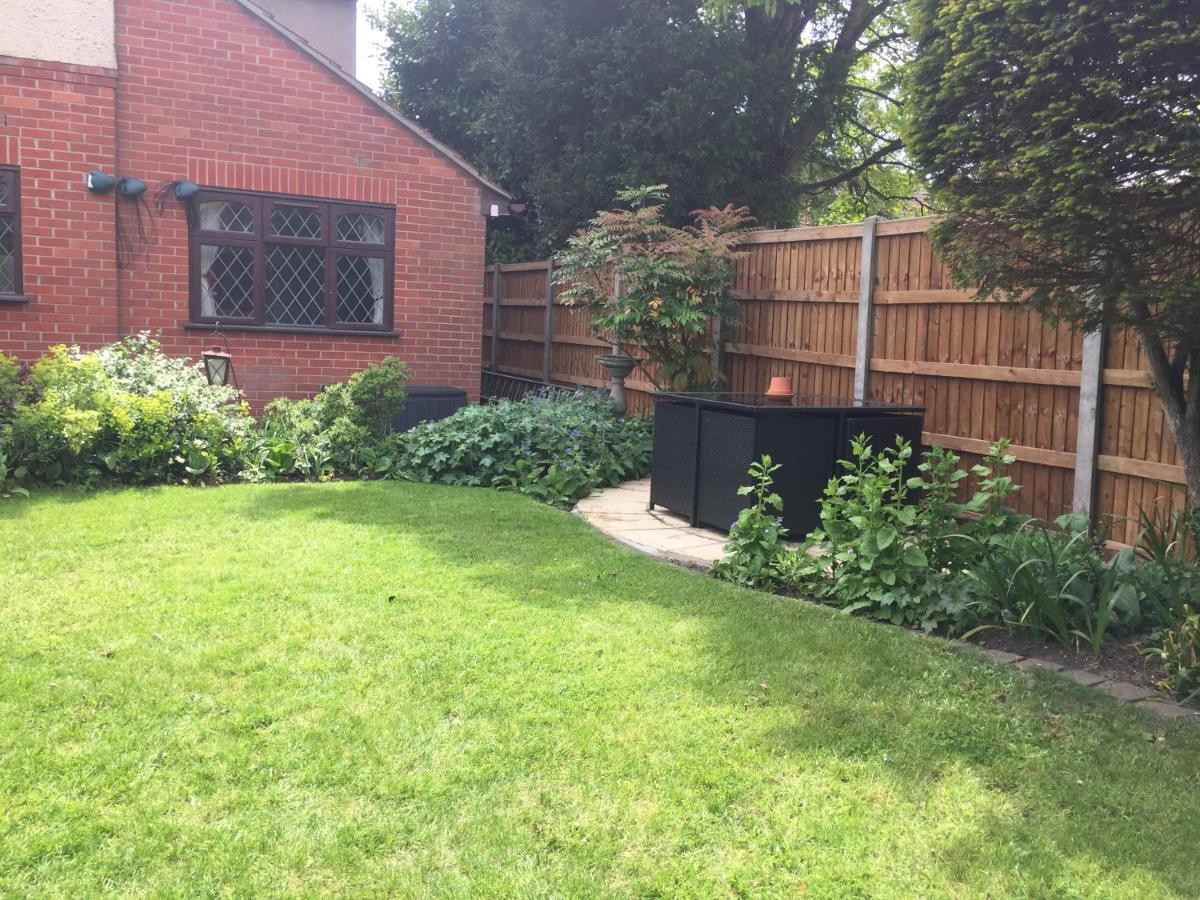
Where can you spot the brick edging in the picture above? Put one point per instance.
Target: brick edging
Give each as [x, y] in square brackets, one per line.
[1133, 694]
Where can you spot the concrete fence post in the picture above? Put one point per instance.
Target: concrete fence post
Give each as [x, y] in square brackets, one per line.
[866, 318]
[496, 294]
[1087, 431]
[548, 349]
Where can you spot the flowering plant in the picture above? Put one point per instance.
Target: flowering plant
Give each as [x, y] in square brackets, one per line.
[655, 288]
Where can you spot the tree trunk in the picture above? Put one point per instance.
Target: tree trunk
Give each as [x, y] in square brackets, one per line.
[1179, 392]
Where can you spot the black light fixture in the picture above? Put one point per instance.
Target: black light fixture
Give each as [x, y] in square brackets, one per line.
[218, 366]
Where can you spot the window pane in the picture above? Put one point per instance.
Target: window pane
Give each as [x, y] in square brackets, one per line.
[295, 221]
[226, 282]
[360, 290]
[295, 285]
[4, 192]
[218, 215]
[8, 256]
[360, 228]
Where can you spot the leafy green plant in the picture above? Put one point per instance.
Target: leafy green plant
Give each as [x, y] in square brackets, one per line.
[1054, 583]
[556, 447]
[893, 546]
[10, 479]
[994, 518]
[343, 430]
[862, 557]
[756, 538]
[653, 287]
[1179, 656]
[1170, 571]
[125, 413]
[13, 390]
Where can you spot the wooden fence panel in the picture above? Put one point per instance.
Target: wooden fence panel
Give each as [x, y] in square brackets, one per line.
[982, 370]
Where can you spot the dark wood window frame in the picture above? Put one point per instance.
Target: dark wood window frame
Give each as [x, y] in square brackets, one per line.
[259, 239]
[10, 212]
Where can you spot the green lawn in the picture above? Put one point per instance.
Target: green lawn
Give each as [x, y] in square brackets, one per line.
[387, 688]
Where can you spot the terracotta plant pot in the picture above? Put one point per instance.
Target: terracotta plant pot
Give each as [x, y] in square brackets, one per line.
[780, 388]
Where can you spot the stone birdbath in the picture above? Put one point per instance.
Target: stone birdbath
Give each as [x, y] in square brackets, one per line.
[618, 366]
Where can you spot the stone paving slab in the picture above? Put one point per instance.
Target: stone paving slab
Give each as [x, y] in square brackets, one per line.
[1127, 692]
[1167, 710]
[624, 514]
[1034, 663]
[1087, 679]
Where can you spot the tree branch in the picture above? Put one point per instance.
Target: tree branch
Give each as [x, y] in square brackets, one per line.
[887, 149]
[863, 89]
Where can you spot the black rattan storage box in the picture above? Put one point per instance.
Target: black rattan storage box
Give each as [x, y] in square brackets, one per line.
[705, 442]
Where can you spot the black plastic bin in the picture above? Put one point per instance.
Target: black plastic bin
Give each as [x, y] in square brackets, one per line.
[705, 442]
[428, 403]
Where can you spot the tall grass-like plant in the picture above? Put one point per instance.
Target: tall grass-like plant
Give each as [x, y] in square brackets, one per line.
[1179, 656]
[1169, 575]
[1053, 583]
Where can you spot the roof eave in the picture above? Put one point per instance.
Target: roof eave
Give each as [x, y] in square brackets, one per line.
[300, 43]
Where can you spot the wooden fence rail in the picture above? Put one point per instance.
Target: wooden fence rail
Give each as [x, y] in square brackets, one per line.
[1086, 428]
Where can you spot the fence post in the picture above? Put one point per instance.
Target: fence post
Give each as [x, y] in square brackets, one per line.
[496, 315]
[1087, 432]
[548, 349]
[866, 320]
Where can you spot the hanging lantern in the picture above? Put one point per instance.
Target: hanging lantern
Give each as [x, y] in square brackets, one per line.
[217, 365]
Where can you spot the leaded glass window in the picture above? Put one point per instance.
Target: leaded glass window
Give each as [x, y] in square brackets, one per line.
[10, 233]
[288, 263]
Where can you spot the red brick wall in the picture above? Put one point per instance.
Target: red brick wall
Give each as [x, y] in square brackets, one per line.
[209, 93]
[212, 94]
[56, 124]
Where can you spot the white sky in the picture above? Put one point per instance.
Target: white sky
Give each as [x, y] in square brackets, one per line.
[370, 71]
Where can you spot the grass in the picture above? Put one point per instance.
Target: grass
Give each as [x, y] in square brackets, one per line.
[375, 689]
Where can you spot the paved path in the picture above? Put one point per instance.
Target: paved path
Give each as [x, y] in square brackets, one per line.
[623, 514]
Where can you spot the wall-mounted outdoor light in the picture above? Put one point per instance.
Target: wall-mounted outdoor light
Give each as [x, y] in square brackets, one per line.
[218, 366]
[100, 182]
[131, 188]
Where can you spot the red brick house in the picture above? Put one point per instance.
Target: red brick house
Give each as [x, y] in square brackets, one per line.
[328, 231]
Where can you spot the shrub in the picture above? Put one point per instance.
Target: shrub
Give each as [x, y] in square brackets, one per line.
[756, 538]
[340, 431]
[889, 545]
[1179, 655]
[673, 282]
[864, 556]
[556, 448]
[13, 390]
[125, 413]
[1055, 583]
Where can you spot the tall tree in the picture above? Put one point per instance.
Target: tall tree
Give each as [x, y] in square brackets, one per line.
[1062, 140]
[823, 67]
[567, 102]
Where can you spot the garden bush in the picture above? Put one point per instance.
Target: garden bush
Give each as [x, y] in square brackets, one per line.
[12, 389]
[756, 540]
[1179, 655]
[125, 413]
[890, 544]
[904, 550]
[556, 447]
[343, 430]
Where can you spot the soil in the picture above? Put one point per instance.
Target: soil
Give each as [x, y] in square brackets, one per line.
[1122, 661]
